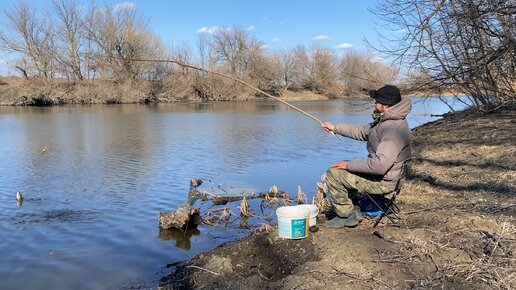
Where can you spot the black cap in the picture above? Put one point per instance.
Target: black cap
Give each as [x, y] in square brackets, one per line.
[387, 95]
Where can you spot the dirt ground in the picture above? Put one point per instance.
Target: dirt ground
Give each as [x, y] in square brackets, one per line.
[457, 228]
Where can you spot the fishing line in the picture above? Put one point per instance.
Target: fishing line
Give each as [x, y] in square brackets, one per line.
[184, 65]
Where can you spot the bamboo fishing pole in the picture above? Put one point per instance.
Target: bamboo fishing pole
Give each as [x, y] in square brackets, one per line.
[184, 65]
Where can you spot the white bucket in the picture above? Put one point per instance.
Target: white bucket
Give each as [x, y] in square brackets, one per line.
[292, 222]
[313, 213]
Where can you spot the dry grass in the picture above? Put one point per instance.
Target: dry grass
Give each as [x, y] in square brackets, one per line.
[301, 197]
[270, 201]
[244, 208]
[303, 95]
[263, 229]
[178, 88]
[472, 255]
[226, 213]
[213, 217]
[319, 199]
[57, 92]
[273, 190]
[461, 195]
[287, 199]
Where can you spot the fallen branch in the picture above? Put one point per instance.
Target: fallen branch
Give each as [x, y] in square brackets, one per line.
[203, 269]
[423, 210]
[503, 208]
[433, 261]
[222, 200]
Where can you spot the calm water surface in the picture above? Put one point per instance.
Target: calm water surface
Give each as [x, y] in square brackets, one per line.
[89, 218]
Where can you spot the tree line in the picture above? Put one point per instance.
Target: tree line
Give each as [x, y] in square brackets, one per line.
[74, 44]
[459, 47]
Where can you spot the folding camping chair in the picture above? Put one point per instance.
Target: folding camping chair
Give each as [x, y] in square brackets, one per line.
[391, 207]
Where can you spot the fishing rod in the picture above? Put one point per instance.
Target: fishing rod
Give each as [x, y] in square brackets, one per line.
[184, 65]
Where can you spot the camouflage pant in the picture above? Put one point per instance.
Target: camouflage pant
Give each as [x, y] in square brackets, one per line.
[343, 186]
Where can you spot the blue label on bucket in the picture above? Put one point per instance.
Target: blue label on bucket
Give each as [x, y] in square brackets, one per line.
[298, 228]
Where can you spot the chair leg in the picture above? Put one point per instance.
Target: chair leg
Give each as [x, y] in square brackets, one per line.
[381, 217]
[392, 206]
[383, 211]
[397, 208]
[378, 220]
[387, 208]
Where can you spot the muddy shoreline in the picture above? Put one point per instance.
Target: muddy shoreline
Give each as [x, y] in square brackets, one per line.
[458, 228]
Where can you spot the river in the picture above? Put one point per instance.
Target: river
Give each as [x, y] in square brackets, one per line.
[94, 179]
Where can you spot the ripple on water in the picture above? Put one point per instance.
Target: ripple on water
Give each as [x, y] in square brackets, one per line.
[57, 215]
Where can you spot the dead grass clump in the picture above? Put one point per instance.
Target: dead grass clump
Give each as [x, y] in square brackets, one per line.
[301, 197]
[270, 201]
[244, 208]
[263, 229]
[215, 216]
[226, 213]
[320, 200]
[494, 265]
[287, 199]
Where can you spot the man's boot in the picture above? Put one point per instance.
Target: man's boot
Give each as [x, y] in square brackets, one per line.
[351, 221]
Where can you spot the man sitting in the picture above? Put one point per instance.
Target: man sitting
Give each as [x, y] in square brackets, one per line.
[388, 144]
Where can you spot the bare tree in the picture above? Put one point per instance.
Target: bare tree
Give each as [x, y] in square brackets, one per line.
[203, 49]
[359, 71]
[70, 34]
[241, 55]
[234, 48]
[322, 72]
[120, 36]
[262, 70]
[30, 36]
[286, 63]
[314, 70]
[463, 46]
[177, 82]
[300, 73]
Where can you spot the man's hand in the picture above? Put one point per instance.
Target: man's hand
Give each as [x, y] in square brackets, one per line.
[328, 126]
[341, 165]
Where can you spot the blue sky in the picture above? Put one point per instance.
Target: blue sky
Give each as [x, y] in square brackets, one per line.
[341, 25]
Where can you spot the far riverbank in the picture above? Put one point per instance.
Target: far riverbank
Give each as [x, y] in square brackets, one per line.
[35, 92]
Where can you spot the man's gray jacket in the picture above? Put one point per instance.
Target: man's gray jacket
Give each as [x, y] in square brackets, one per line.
[388, 143]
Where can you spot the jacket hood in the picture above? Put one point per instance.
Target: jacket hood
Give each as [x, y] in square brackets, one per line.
[398, 111]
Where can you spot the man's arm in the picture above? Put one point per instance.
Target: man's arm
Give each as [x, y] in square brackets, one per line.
[357, 132]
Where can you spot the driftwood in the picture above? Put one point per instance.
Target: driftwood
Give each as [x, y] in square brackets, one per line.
[184, 217]
[194, 195]
[222, 200]
[187, 217]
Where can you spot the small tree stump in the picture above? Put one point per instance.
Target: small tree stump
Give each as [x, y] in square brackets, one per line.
[184, 217]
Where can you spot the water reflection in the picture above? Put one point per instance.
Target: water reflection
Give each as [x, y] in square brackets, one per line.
[182, 237]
